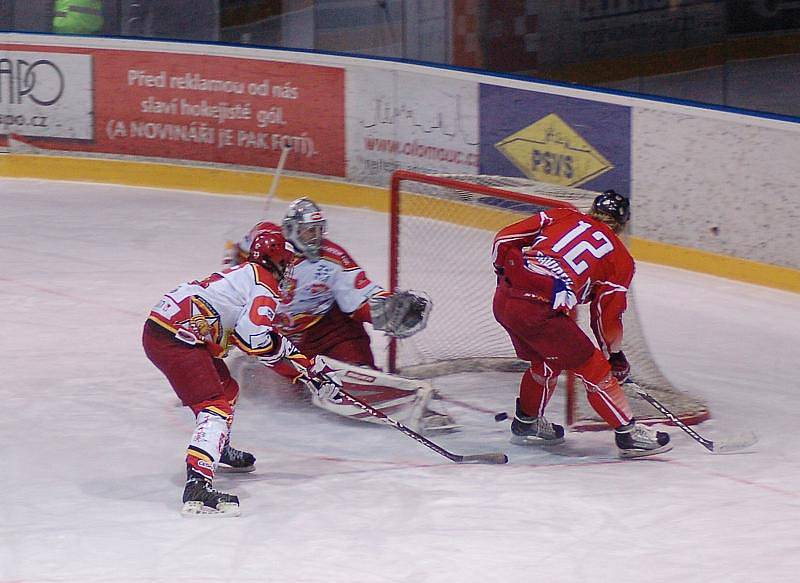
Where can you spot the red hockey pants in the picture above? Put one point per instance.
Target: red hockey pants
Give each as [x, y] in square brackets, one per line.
[552, 342]
[197, 378]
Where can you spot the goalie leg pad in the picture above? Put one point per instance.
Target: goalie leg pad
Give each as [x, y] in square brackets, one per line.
[404, 400]
[436, 422]
[405, 406]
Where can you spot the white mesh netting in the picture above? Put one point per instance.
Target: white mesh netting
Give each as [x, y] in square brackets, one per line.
[443, 247]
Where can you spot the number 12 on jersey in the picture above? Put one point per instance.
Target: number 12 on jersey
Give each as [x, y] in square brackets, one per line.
[578, 248]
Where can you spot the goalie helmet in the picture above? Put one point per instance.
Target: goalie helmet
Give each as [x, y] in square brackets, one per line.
[612, 208]
[269, 249]
[305, 227]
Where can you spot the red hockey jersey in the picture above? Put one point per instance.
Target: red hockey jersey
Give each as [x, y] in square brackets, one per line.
[566, 257]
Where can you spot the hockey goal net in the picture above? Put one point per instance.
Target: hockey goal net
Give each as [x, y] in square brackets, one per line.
[442, 229]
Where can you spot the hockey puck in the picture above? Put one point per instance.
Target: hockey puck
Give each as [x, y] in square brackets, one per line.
[501, 416]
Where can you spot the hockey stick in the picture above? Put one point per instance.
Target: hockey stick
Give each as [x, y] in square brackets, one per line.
[274, 185]
[730, 445]
[269, 196]
[480, 458]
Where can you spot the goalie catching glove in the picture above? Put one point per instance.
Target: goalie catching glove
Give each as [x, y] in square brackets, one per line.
[401, 314]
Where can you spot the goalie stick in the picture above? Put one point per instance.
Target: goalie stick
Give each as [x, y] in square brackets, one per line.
[270, 193]
[732, 444]
[480, 458]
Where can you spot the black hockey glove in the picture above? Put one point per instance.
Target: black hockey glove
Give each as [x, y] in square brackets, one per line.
[620, 367]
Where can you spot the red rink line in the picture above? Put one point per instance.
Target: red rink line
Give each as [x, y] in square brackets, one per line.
[738, 480]
[394, 466]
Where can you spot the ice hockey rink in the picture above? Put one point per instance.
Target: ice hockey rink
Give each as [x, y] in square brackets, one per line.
[93, 440]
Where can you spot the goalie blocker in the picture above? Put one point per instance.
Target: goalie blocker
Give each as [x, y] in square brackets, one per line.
[404, 400]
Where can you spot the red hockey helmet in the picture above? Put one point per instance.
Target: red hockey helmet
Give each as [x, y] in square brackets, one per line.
[244, 244]
[262, 227]
[269, 249]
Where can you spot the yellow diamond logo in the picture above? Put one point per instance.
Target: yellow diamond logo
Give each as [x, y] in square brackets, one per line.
[549, 150]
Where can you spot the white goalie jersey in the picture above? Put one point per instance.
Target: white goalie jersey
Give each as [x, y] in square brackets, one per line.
[310, 288]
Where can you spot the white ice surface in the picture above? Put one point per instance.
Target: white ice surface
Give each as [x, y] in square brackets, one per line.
[93, 442]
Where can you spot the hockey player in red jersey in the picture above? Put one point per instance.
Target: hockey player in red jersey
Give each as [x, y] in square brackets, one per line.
[326, 299]
[546, 265]
[189, 332]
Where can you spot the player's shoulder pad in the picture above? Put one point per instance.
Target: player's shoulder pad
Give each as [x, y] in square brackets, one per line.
[621, 256]
[607, 231]
[562, 212]
[336, 253]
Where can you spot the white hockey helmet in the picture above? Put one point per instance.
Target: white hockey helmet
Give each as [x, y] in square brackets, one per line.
[305, 227]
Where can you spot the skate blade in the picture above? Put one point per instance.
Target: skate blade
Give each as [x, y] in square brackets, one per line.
[578, 450]
[628, 454]
[223, 509]
[536, 441]
[234, 470]
[453, 427]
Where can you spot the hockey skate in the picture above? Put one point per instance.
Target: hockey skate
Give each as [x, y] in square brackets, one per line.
[435, 422]
[199, 498]
[527, 430]
[637, 440]
[236, 461]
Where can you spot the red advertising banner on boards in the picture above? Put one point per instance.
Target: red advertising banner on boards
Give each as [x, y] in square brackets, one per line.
[187, 107]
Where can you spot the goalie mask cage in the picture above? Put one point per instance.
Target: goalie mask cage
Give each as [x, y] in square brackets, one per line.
[442, 229]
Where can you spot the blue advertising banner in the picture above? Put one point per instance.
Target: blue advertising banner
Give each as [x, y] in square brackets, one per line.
[555, 139]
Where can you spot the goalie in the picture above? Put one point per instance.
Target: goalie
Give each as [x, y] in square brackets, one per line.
[326, 300]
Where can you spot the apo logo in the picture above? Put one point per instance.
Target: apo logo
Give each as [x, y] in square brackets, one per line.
[549, 150]
[41, 81]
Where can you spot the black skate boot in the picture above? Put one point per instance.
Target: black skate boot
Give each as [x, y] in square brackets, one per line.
[527, 430]
[235, 460]
[200, 498]
[637, 440]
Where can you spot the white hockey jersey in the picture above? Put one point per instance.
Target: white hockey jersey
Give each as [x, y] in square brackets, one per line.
[309, 289]
[235, 305]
